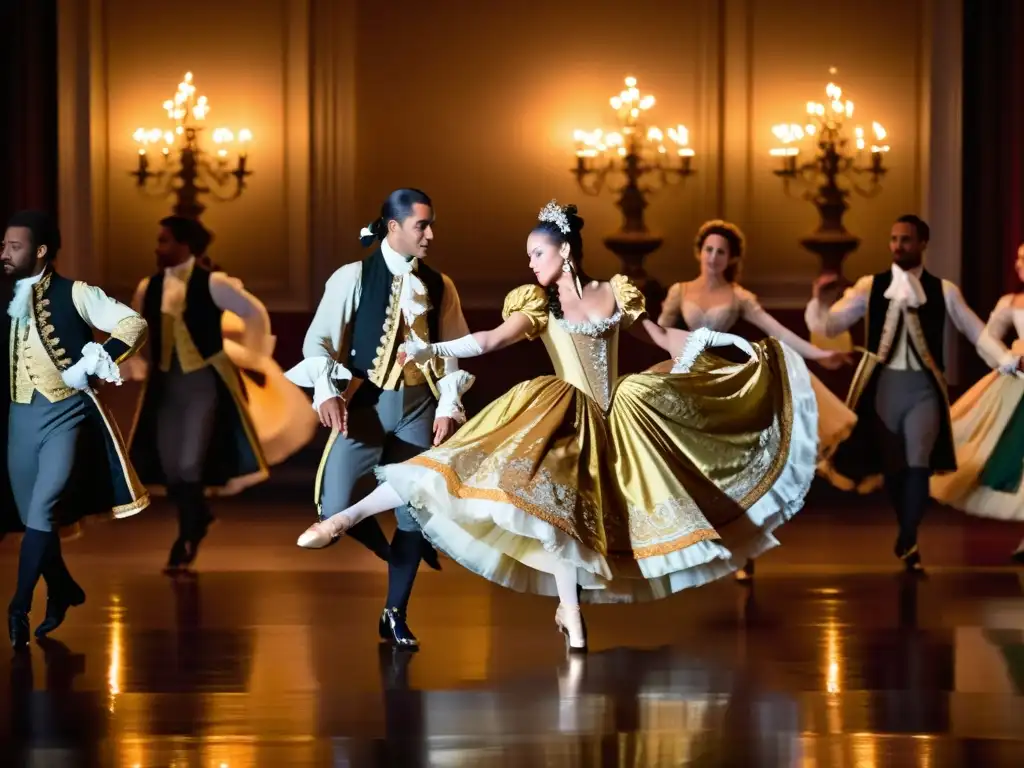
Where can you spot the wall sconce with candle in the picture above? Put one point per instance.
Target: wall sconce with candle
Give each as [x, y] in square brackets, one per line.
[635, 152]
[832, 158]
[186, 170]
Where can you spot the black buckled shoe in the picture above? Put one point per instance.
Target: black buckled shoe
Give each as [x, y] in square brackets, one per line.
[394, 630]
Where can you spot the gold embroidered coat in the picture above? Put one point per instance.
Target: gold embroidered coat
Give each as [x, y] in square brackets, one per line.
[64, 315]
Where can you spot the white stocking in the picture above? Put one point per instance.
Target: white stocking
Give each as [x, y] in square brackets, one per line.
[383, 498]
[565, 582]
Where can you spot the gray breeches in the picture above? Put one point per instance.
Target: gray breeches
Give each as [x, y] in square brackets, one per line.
[910, 411]
[42, 443]
[185, 423]
[399, 426]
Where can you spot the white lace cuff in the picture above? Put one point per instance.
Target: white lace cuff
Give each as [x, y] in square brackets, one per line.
[319, 374]
[451, 388]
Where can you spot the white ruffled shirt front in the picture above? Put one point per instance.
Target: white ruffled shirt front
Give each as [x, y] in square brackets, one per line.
[853, 306]
[327, 340]
[98, 310]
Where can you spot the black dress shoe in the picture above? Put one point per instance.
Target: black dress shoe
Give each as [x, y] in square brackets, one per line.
[57, 608]
[912, 562]
[17, 627]
[178, 557]
[394, 631]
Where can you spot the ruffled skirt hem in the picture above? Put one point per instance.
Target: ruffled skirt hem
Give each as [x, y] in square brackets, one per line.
[486, 532]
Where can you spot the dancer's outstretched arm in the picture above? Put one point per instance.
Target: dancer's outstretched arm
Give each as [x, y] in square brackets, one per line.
[513, 330]
[990, 341]
[672, 340]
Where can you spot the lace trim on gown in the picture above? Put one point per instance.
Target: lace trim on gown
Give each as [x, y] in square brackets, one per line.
[593, 328]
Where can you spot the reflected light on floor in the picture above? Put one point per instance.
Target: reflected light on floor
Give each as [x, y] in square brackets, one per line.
[116, 651]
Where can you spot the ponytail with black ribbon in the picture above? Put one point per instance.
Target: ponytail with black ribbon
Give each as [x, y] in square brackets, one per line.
[374, 232]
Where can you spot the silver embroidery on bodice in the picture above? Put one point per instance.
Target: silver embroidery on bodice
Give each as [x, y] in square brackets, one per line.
[592, 341]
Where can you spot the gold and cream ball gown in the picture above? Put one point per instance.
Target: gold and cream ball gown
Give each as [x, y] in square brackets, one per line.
[835, 420]
[648, 484]
[988, 428]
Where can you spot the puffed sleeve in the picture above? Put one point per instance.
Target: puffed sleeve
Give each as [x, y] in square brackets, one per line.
[532, 302]
[631, 302]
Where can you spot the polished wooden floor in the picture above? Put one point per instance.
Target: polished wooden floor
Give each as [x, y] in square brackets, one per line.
[269, 658]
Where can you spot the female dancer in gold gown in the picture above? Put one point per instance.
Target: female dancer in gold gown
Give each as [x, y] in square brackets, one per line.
[716, 300]
[616, 490]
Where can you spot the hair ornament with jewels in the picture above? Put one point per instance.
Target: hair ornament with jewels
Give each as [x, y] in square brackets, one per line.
[555, 214]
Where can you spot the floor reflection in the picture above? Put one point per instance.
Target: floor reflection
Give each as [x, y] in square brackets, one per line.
[280, 667]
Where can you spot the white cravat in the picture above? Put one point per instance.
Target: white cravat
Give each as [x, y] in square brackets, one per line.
[906, 290]
[412, 299]
[20, 307]
[172, 300]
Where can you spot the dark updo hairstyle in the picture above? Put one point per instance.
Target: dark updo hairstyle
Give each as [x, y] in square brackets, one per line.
[575, 240]
[733, 236]
[42, 229]
[397, 207]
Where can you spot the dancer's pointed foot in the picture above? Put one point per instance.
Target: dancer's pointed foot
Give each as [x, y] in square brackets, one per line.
[324, 533]
[569, 620]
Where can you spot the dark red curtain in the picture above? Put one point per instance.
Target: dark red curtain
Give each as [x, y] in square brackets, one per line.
[28, 92]
[993, 172]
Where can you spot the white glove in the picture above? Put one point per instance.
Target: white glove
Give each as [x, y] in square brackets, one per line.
[95, 361]
[76, 376]
[421, 353]
[417, 352]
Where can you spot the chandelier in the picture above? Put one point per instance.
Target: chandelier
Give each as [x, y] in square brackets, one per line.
[184, 167]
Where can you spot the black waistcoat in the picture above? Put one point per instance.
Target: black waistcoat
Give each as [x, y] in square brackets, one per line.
[932, 314]
[202, 317]
[70, 332]
[374, 299]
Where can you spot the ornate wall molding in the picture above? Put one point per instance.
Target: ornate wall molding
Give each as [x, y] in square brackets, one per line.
[83, 140]
[81, 137]
[335, 223]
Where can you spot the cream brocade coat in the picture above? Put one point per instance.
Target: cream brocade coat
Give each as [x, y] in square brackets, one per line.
[648, 484]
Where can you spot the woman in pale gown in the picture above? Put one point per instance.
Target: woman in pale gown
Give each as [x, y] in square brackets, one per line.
[715, 300]
[988, 425]
[584, 484]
